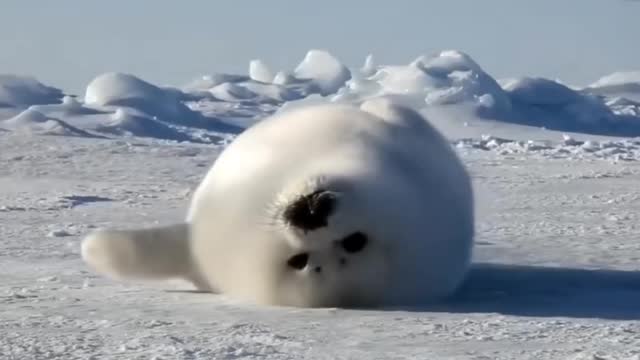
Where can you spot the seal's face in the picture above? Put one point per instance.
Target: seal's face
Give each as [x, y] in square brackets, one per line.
[332, 258]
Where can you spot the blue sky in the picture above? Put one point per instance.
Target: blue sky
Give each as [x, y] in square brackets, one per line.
[66, 43]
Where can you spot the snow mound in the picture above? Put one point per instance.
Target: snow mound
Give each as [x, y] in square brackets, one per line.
[213, 106]
[617, 79]
[411, 79]
[259, 71]
[126, 123]
[327, 72]
[623, 106]
[623, 84]
[118, 89]
[539, 91]
[35, 122]
[284, 78]
[457, 78]
[21, 91]
[449, 77]
[206, 82]
[114, 90]
[547, 103]
[70, 106]
[232, 92]
[369, 68]
[26, 118]
[277, 93]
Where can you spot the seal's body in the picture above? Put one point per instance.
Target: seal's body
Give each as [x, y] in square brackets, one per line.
[328, 205]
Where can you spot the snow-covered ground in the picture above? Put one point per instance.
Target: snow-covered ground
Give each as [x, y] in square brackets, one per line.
[555, 168]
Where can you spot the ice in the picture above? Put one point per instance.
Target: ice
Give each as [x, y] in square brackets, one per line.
[277, 93]
[26, 118]
[369, 68]
[555, 169]
[540, 91]
[449, 83]
[259, 71]
[445, 78]
[555, 106]
[125, 123]
[206, 82]
[617, 79]
[113, 90]
[34, 122]
[284, 78]
[232, 92]
[119, 89]
[623, 84]
[327, 72]
[124, 90]
[408, 80]
[555, 262]
[21, 91]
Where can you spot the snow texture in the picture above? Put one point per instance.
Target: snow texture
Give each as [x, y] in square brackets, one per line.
[20, 91]
[212, 106]
[324, 69]
[555, 169]
[625, 84]
[259, 71]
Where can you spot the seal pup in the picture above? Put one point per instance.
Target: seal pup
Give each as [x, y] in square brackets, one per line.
[319, 206]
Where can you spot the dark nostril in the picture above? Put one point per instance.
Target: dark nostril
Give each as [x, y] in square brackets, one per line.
[298, 261]
[343, 261]
[311, 211]
[317, 269]
[354, 243]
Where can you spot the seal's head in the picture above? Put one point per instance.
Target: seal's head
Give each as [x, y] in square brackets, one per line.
[333, 256]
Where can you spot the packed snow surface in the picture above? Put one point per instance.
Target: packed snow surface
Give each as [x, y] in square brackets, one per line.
[555, 168]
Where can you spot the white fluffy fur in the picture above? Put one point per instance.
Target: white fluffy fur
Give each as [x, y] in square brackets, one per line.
[395, 177]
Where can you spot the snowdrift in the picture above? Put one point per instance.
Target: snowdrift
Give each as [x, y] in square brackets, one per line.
[35, 122]
[618, 84]
[114, 90]
[547, 103]
[212, 106]
[21, 91]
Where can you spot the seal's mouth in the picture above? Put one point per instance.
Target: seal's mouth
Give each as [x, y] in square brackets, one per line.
[310, 212]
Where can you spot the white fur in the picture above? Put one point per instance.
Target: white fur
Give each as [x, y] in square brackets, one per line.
[395, 178]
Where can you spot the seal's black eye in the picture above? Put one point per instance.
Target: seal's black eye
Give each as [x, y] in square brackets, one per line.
[298, 261]
[354, 243]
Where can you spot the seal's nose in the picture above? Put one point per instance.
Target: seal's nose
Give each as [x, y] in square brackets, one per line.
[311, 211]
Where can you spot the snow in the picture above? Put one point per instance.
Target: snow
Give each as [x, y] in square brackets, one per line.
[284, 78]
[539, 91]
[118, 89]
[33, 121]
[123, 122]
[617, 79]
[21, 91]
[208, 81]
[369, 68]
[448, 77]
[259, 71]
[324, 70]
[555, 168]
[623, 83]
